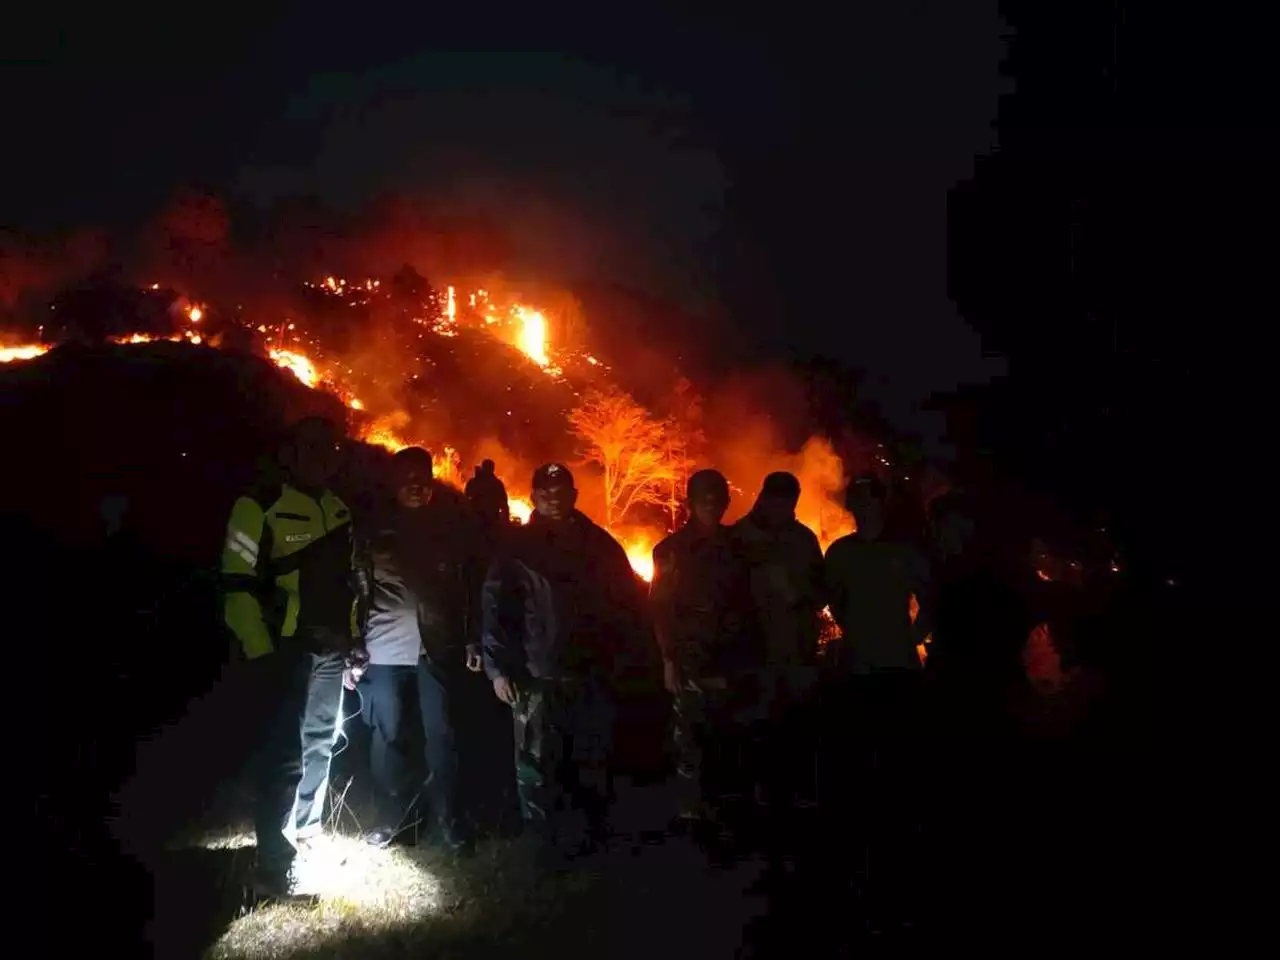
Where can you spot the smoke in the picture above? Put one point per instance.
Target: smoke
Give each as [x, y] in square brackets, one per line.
[756, 425]
[33, 268]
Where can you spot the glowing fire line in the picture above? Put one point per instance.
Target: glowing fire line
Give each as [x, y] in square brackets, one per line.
[521, 326]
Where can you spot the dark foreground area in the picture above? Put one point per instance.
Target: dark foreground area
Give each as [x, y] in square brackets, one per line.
[1003, 856]
[1024, 840]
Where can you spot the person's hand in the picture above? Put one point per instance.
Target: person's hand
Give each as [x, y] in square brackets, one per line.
[671, 677]
[474, 661]
[505, 691]
[357, 663]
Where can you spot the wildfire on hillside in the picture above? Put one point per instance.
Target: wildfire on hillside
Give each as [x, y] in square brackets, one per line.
[377, 419]
[25, 352]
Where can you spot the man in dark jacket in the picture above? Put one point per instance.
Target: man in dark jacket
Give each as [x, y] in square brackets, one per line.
[560, 608]
[419, 576]
[702, 613]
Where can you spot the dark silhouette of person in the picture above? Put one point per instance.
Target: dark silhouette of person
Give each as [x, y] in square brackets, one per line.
[872, 698]
[784, 570]
[701, 605]
[488, 496]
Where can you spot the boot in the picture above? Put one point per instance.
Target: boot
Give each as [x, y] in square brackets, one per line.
[454, 837]
[274, 883]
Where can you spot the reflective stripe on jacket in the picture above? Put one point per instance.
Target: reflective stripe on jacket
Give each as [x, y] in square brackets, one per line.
[287, 568]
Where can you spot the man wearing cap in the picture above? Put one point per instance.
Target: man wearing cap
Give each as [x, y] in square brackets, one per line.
[701, 611]
[560, 607]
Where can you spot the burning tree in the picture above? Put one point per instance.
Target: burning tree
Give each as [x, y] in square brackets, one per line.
[629, 445]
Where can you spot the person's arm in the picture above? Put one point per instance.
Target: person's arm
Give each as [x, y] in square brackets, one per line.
[662, 601]
[362, 590]
[241, 571]
[474, 563]
[361, 582]
[813, 592]
[501, 643]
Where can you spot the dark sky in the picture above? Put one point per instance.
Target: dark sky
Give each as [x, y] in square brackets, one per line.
[792, 170]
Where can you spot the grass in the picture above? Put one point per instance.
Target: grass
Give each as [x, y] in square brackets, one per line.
[395, 898]
[418, 901]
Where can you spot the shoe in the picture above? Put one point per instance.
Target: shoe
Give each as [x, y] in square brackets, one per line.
[456, 841]
[380, 837]
[273, 884]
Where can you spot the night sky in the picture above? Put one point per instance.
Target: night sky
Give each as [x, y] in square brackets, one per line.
[791, 175]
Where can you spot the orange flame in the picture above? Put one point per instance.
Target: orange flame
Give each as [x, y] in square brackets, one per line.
[25, 352]
[299, 364]
[532, 336]
[640, 555]
[527, 329]
[520, 508]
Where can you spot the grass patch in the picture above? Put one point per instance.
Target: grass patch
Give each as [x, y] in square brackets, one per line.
[415, 901]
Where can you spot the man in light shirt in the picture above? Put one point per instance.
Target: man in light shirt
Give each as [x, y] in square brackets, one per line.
[419, 573]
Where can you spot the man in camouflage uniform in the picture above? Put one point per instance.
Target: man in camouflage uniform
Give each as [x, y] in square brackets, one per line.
[560, 608]
[784, 561]
[700, 603]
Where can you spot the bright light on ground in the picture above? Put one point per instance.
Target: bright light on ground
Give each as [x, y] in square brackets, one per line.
[357, 889]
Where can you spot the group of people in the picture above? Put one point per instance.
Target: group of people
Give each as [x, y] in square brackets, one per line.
[434, 584]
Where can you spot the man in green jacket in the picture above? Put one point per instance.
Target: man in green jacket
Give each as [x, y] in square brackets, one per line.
[289, 599]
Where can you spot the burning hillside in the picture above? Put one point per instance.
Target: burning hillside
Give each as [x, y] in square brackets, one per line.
[471, 373]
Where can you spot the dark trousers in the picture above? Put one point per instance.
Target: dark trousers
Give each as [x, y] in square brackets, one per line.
[872, 765]
[709, 745]
[784, 742]
[387, 693]
[564, 742]
[292, 766]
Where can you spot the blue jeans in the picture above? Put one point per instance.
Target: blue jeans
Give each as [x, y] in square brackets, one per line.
[385, 694]
[292, 775]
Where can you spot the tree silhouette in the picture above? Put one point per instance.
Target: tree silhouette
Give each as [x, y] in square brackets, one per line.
[629, 445]
[686, 442]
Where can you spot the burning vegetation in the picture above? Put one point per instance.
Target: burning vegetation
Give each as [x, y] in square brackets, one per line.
[470, 373]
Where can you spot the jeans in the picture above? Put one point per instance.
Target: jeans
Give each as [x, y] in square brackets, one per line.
[292, 775]
[386, 692]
